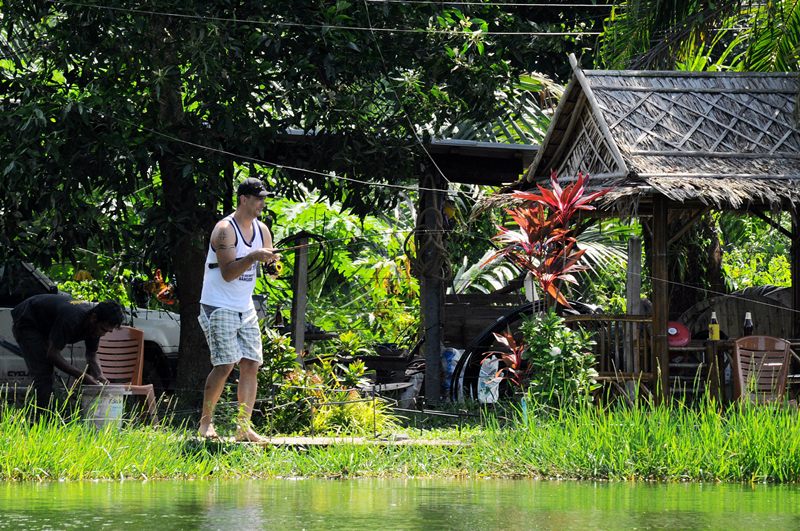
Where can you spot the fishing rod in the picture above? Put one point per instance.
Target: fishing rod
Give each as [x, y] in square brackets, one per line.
[274, 251]
[322, 242]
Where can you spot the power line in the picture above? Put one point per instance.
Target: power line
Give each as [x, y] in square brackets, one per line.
[282, 166]
[493, 4]
[397, 98]
[421, 31]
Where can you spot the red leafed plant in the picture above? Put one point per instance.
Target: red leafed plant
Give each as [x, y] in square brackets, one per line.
[543, 242]
[516, 368]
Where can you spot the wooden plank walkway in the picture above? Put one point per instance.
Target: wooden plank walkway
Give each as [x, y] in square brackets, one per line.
[300, 442]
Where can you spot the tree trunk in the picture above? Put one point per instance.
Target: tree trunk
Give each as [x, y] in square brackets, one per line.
[194, 362]
[188, 263]
[187, 234]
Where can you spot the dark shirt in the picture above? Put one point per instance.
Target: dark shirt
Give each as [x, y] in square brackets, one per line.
[59, 318]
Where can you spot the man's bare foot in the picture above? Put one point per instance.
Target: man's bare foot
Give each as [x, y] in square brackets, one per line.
[207, 432]
[249, 435]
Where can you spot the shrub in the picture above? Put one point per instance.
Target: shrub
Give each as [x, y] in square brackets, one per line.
[561, 361]
[320, 399]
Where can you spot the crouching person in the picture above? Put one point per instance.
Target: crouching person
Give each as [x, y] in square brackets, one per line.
[44, 324]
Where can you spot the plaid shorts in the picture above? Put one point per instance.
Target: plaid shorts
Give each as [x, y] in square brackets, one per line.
[231, 335]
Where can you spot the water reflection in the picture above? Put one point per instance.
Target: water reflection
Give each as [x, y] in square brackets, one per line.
[395, 504]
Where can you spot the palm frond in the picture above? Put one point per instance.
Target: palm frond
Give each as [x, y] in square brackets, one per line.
[644, 34]
[774, 38]
[526, 109]
[483, 277]
[605, 246]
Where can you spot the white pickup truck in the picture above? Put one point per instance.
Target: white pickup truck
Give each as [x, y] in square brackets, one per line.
[161, 332]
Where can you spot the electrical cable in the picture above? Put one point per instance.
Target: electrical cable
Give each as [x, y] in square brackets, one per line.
[279, 166]
[397, 98]
[327, 27]
[491, 4]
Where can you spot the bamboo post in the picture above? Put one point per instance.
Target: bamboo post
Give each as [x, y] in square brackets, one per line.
[633, 296]
[660, 295]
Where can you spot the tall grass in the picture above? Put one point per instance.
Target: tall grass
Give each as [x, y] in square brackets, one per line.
[745, 443]
[64, 447]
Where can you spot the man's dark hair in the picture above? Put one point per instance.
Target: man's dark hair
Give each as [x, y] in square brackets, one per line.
[109, 312]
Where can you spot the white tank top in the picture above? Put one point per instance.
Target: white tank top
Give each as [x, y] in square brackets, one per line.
[236, 295]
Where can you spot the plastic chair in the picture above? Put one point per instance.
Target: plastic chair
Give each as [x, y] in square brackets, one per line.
[760, 367]
[121, 357]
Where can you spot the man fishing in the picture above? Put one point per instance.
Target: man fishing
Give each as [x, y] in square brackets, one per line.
[227, 313]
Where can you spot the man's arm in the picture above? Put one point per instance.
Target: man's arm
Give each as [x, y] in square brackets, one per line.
[94, 369]
[55, 357]
[223, 239]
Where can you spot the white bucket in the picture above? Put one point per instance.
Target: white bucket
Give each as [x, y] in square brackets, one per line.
[102, 405]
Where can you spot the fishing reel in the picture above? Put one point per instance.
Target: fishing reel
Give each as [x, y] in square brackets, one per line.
[273, 269]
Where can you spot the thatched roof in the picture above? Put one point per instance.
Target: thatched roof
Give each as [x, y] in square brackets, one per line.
[729, 140]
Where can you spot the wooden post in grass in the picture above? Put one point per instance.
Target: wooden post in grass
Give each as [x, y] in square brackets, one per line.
[300, 296]
[633, 296]
[430, 252]
[660, 295]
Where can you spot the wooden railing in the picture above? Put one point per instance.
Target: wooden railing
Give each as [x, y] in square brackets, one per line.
[623, 345]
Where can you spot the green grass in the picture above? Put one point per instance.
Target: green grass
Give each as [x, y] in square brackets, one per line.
[744, 444]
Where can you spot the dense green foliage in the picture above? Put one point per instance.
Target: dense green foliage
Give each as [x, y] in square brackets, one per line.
[135, 123]
[745, 35]
[360, 277]
[128, 116]
[755, 253]
[561, 361]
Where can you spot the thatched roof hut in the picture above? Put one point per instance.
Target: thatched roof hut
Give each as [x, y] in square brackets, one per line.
[728, 140]
[679, 143]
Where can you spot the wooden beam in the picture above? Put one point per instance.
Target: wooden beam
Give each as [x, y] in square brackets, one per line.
[598, 115]
[660, 295]
[681, 90]
[780, 155]
[795, 273]
[479, 169]
[300, 297]
[688, 225]
[774, 224]
[431, 256]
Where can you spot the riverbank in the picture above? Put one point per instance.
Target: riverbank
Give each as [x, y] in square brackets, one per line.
[745, 444]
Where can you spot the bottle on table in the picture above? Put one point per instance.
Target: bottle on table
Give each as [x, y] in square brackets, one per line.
[747, 327]
[713, 327]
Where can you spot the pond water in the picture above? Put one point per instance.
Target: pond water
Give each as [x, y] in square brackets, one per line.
[395, 504]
